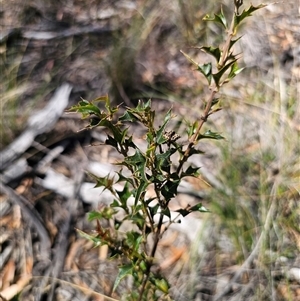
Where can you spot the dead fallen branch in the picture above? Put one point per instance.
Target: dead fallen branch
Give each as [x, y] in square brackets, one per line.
[41, 122]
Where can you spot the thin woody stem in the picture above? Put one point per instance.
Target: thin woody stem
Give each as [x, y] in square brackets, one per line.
[194, 138]
[226, 47]
[153, 251]
[214, 89]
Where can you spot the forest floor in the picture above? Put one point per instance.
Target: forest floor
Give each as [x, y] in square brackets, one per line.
[53, 53]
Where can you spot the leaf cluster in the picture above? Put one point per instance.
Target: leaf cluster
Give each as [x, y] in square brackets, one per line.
[226, 61]
[139, 170]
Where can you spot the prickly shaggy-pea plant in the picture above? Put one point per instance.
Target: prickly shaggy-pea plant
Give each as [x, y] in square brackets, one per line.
[162, 165]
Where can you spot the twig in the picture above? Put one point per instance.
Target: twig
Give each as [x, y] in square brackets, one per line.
[62, 242]
[32, 216]
[38, 123]
[214, 90]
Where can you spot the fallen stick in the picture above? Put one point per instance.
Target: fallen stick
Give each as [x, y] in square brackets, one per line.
[38, 123]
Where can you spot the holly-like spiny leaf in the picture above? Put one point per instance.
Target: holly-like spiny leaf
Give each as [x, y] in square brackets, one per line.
[169, 189]
[133, 240]
[220, 18]
[217, 76]
[191, 172]
[140, 191]
[162, 161]
[125, 270]
[105, 182]
[128, 116]
[106, 213]
[138, 162]
[96, 240]
[214, 51]
[124, 195]
[206, 70]
[246, 13]
[210, 135]
[197, 208]
[234, 71]
[160, 138]
[162, 284]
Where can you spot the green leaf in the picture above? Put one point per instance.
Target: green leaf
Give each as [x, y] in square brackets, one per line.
[123, 178]
[150, 138]
[163, 160]
[215, 101]
[153, 209]
[138, 161]
[124, 195]
[232, 42]
[246, 13]
[89, 109]
[220, 18]
[96, 240]
[142, 106]
[94, 215]
[160, 137]
[234, 71]
[124, 136]
[111, 110]
[105, 182]
[144, 265]
[210, 135]
[150, 150]
[106, 213]
[125, 270]
[141, 189]
[162, 285]
[128, 116]
[169, 189]
[137, 218]
[206, 70]
[217, 76]
[83, 102]
[199, 207]
[166, 212]
[191, 171]
[192, 129]
[214, 51]
[185, 211]
[115, 204]
[111, 141]
[129, 143]
[100, 98]
[195, 151]
[134, 240]
[117, 133]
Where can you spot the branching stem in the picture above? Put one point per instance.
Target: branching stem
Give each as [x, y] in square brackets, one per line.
[214, 90]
